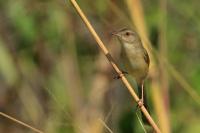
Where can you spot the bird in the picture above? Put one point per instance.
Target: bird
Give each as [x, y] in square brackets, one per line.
[135, 59]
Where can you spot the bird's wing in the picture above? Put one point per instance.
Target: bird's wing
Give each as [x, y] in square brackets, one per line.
[146, 57]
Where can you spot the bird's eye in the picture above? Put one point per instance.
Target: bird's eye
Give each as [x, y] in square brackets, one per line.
[127, 33]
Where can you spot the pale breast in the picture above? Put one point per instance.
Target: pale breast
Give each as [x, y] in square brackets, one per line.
[137, 64]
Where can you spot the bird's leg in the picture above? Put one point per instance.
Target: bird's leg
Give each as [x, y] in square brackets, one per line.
[120, 75]
[124, 72]
[141, 100]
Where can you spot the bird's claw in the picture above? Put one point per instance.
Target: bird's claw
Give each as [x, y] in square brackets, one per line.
[120, 75]
[140, 103]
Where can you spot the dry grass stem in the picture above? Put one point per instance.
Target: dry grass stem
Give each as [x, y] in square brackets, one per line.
[164, 82]
[20, 122]
[110, 59]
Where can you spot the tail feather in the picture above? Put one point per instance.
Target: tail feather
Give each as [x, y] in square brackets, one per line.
[144, 119]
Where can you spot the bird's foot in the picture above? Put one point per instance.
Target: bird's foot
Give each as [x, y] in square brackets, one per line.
[120, 75]
[140, 103]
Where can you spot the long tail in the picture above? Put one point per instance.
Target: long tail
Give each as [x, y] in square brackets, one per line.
[144, 119]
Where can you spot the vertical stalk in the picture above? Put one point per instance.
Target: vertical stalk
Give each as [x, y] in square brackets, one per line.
[164, 84]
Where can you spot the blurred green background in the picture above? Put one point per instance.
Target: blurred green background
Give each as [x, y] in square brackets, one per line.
[54, 77]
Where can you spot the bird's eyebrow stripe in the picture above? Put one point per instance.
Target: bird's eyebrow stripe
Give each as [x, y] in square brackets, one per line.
[123, 29]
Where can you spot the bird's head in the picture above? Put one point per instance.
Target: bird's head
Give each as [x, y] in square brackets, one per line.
[126, 35]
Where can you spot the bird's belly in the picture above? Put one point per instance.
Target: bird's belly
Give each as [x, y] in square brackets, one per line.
[135, 63]
[138, 65]
[139, 68]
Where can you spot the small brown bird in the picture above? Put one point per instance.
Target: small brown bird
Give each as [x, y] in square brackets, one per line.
[135, 59]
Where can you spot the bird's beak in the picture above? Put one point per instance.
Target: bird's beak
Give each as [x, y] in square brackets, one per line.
[115, 33]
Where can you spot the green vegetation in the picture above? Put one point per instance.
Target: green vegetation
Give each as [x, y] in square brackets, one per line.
[54, 77]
